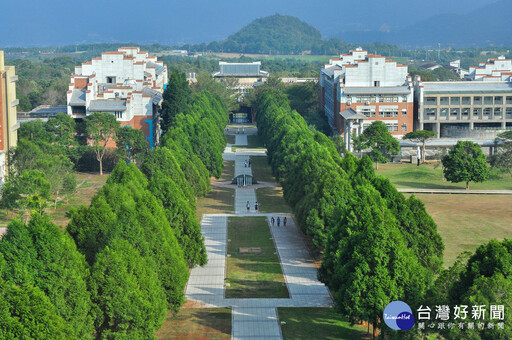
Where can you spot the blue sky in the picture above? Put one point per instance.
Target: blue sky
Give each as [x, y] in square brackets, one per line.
[62, 22]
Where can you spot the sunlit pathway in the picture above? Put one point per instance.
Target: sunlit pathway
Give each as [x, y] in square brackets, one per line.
[254, 318]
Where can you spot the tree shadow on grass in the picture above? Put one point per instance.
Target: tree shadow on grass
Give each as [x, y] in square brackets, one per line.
[419, 185]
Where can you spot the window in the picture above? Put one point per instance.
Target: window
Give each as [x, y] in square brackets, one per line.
[465, 112]
[509, 111]
[111, 80]
[404, 127]
[466, 100]
[404, 113]
[509, 100]
[477, 112]
[498, 100]
[487, 111]
[488, 100]
[455, 100]
[444, 101]
[454, 112]
[477, 100]
[444, 112]
[118, 114]
[430, 101]
[497, 111]
[392, 127]
[404, 99]
[77, 109]
[376, 83]
[430, 113]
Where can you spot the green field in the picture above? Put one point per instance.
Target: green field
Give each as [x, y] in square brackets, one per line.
[254, 142]
[318, 323]
[427, 176]
[467, 221]
[253, 275]
[230, 139]
[271, 200]
[197, 323]
[261, 170]
[220, 200]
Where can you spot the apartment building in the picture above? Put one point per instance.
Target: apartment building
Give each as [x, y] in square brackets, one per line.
[359, 88]
[495, 69]
[451, 107]
[8, 120]
[128, 83]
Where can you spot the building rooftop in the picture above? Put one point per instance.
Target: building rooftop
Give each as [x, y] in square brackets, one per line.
[466, 87]
[240, 70]
[351, 114]
[378, 90]
[107, 105]
[77, 98]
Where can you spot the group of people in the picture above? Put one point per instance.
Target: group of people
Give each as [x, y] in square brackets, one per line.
[256, 205]
[272, 220]
[247, 163]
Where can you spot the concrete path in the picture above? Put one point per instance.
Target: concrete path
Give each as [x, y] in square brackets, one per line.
[254, 318]
[455, 191]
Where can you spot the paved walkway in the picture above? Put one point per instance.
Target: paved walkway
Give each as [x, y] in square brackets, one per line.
[255, 318]
[454, 191]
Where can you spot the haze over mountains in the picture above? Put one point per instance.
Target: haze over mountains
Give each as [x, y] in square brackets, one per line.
[410, 23]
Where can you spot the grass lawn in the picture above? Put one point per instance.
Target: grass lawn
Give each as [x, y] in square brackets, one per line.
[230, 139]
[318, 323]
[271, 200]
[254, 141]
[218, 201]
[197, 323]
[428, 177]
[261, 170]
[228, 172]
[467, 221]
[253, 275]
[87, 186]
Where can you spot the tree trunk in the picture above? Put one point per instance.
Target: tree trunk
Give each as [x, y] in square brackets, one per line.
[376, 328]
[376, 165]
[101, 167]
[467, 185]
[423, 153]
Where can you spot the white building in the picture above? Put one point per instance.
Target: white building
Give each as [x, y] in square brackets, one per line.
[495, 69]
[241, 76]
[359, 88]
[128, 83]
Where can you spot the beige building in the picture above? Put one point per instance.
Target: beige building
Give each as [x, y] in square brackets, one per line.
[8, 119]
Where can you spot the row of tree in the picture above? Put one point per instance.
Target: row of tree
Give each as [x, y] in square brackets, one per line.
[378, 245]
[124, 260]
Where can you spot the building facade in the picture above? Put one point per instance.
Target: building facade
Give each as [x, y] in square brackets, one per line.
[241, 76]
[128, 83]
[359, 88]
[8, 119]
[495, 69]
[462, 105]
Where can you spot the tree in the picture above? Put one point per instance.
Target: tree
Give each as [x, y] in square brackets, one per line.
[420, 136]
[34, 130]
[503, 157]
[175, 98]
[63, 128]
[17, 190]
[224, 90]
[129, 300]
[340, 144]
[40, 254]
[101, 129]
[465, 163]
[377, 137]
[130, 142]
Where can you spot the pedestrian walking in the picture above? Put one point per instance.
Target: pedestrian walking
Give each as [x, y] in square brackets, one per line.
[278, 221]
[256, 206]
[284, 221]
[248, 206]
[272, 220]
[245, 164]
[249, 162]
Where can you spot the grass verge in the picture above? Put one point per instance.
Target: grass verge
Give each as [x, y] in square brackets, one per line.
[318, 323]
[271, 200]
[230, 139]
[428, 176]
[261, 170]
[253, 275]
[467, 221]
[197, 323]
[218, 201]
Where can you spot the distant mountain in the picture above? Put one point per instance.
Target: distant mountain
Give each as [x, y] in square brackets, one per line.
[488, 25]
[276, 34]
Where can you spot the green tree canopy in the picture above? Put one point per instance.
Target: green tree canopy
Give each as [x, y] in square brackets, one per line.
[175, 98]
[101, 129]
[377, 137]
[420, 136]
[130, 142]
[465, 162]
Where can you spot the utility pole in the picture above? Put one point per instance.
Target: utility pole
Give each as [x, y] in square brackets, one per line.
[438, 51]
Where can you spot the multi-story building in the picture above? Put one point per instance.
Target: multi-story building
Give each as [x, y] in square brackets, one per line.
[128, 82]
[8, 120]
[241, 76]
[359, 88]
[462, 105]
[495, 69]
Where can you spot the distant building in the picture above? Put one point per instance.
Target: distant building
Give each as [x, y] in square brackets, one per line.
[295, 80]
[447, 107]
[454, 66]
[42, 112]
[8, 119]
[360, 88]
[495, 69]
[127, 83]
[241, 76]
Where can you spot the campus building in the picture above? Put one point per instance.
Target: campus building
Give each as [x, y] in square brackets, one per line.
[495, 69]
[8, 120]
[128, 83]
[241, 76]
[359, 88]
[463, 108]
